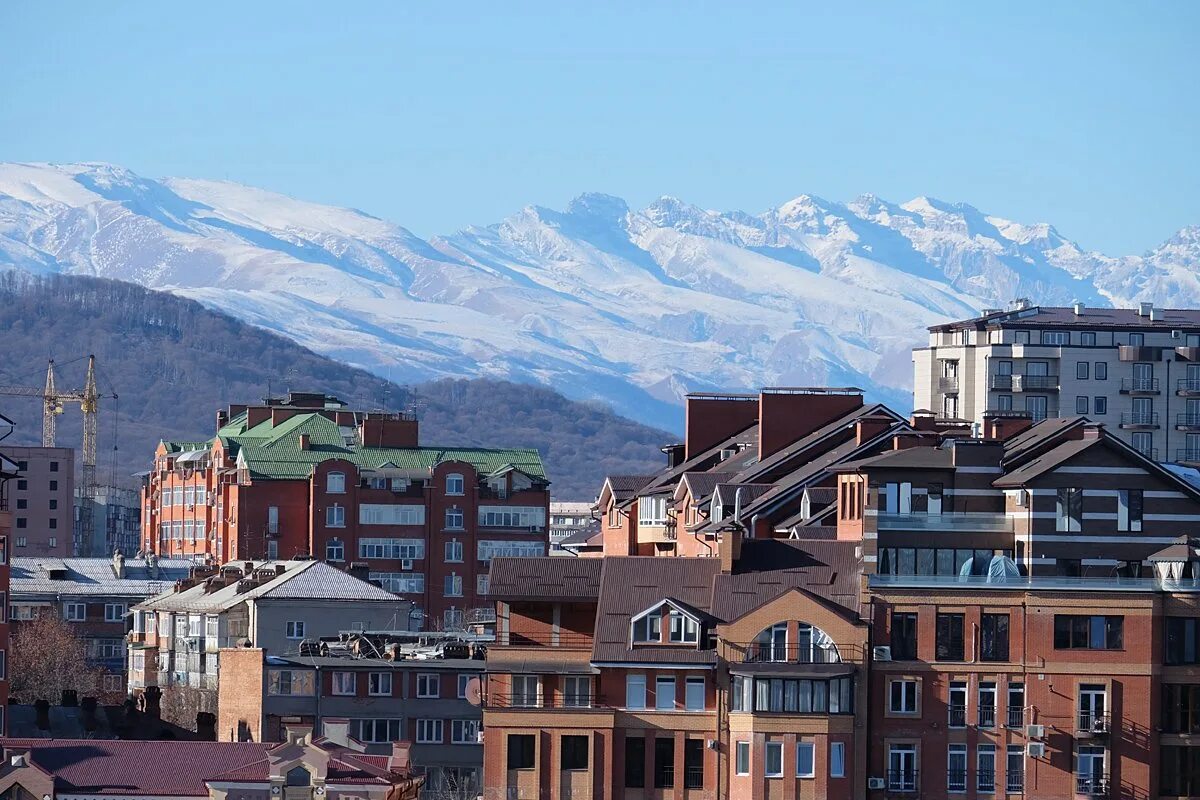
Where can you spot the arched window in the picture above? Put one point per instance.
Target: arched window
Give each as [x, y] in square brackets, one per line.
[811, 645]
[455, 484]
[335, 483]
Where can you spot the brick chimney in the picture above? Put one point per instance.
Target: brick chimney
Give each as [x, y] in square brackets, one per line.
[867, 428]
[1000, 425]
[390, 430]
[256, 415]
[150, 701]
[674, 454]
[336, 730]
[400, 760]
[304, 441]
[730, 550]
[786, 415]
[206, 726]
[710, 419]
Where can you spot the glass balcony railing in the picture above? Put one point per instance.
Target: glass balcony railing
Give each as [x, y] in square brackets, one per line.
[945, 522]
[1107, 583]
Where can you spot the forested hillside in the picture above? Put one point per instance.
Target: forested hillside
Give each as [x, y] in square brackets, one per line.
[172, 362]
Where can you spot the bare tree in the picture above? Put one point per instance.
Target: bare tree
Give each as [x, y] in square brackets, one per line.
[47, 658]
[452, 783]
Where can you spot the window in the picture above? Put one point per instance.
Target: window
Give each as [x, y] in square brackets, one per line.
[904, 635]
[1081, 404]
[1004, 402]
[1014, 769]
[379, 684]
[379, 730]
[429, 684]
[1129, 509]
[635, 762]
[1090, 777]
[902, 768]
[391, 514]
[987, 704]
[454, 519]
[406, 549]
[481, 584]
[742, 758]
[1069, 510]
[1101, 371]
[933, 503]
[531, 518]
[648, 628]
[652, 510]
[344, 684]
[1092, 702]
[1100, 405]
[494, 548]
[664, 763]
[1056, 337]
[400, 582]
[454, 484]
[837, 759]
[335, 516]
[790, 695]
[464, 731]
[985, 768]
[520, 750]
[1081, 370]
[1016, 705]
[54, 466]
[335, 483]
[956, 768]
[993, 637]
[949, 635]
[635, 692]
[114, 612]
[683, 628]
[1088, 632]
[335, 550]
[577, 691]
[957, 716]
[664, 693]
[464, 680]
[574, 752]
[75, 612]
[53, 505]
[453, 586]
[805, 760]
[1136, 339]
[897, 498]
[454, 551]
[774, 759]
[1181, 640]
[290, 682]
[429, 731]
[903, 697]
[693, 697]
[295, 630]
[525, 691]
[1087, 338]
[693, 764]
[53, 523]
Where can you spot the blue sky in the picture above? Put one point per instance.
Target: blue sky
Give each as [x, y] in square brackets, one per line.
[440, 115]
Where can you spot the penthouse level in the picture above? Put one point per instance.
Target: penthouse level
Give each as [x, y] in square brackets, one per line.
[305, 476]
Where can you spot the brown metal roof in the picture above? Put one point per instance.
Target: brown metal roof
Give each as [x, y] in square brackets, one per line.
[545, 578]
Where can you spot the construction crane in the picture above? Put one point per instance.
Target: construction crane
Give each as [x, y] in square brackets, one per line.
[53, 403]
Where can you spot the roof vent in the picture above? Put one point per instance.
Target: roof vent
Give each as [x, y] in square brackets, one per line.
[1144, 309]
[1078, 309]
[1019, 304]
[1156, 314]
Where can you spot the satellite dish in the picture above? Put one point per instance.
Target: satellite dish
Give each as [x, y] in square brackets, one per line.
[474, 692]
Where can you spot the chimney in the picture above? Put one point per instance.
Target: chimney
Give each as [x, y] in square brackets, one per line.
[867, 428]
[41, 708]
[118, 565]
[88, 713]
[388, 430]
[710, 419]
[730, 550]
[70, 698]
[786, 415]
[674, 454]
[256, 415]
[1156, 314]
[151, 702]
[336, 730]
[222, 419]
[400, 761]
[1000, 425]
[297, 733]
[906, 439]
[1078, 309]
[152, 565]
[1091, 432]
[304, 441]
[923, 420]
[1144, 309]
[206, 726]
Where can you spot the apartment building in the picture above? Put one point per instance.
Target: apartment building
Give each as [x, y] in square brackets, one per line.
[42, 501]
[1135, 370]
[570, 521]
[742, 675]
[178, 636]
[758, 461]
[118, 518]
[299, 768]
[1031, 600]
[9, 472]
[425, 694]
[94, 596]
[305, 476]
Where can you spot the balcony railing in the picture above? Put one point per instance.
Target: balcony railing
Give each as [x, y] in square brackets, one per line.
[1187, 421]
[794, 654]
[1187, 454]
[1092, 723]
[965, 522]
[1016, 717]
[1035, 383]
[559, 701]
[664, 776]
[987, 716]
[975, 582]
[1014, 780]
[566, 639]
[1002, 383]
[956, 780]
[902, 780]
[985, 780]
[1139, 386]
[1139, 419]
[693, 777]
[946, 384]
[1149, 452]
[957, 716]
[1188, 386]
[1092, 785]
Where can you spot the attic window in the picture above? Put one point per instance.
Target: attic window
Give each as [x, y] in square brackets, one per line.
[683, 628]
[648, 628]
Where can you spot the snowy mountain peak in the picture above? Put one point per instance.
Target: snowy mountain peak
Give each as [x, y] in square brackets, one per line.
[634, 308]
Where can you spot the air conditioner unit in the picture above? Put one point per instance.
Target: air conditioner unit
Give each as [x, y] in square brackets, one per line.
[881, 653]
[1036, 749]
[406, 564]
[1035, 731]
[876, 783]
[1176, 334]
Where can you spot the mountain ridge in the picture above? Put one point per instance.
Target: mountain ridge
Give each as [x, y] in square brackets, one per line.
[600, 301]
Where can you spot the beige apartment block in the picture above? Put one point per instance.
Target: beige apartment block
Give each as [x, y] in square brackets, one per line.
[1135, 370]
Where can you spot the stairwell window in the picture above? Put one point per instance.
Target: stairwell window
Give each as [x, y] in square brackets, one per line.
[902, 696]
[454, 551]
[455, 484]
[454, 519]
[335, 483]
[335, 516]
[335, 550]
[453, 586]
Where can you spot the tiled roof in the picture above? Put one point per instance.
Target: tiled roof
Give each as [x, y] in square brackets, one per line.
[702, 484]
[93, 577]
[1090, 318]
[769, 567]
[626, 486]
[545, 578]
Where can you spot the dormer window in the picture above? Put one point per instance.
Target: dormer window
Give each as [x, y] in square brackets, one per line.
[648, 628]
[683, 629]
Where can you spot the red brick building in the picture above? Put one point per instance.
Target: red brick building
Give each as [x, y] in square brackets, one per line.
[305, 476]
[8, 473]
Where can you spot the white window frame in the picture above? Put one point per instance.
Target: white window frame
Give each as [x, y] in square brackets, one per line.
[464, 731]
[661, 681]
[455, 519]
[335, 550]
[909, 693]
[689, 687]
[454, 551]
[837, 759]
[335, 516]
[455, 485]
[115, 616]
[424, 681]
[741, 759]
[75, 612]
[464, 680]
[294, 629]
[777, 747]
[344, 683]
[376, 682]
[335, 483]
[811, 747]
[635, 690]
[429, 731]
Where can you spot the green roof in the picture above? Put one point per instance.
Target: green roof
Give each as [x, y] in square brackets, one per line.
[273, 452]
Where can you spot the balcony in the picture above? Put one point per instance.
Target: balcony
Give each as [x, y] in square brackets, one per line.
[1187, 387]
[538, 639]
[956, 780]
[1091, 723]
[1139, 386]
[987, 716]
[1187, 422]
[957, 716]
[985, 781]
[795, 654]
[1128, 352]
[1092, 785]
[948, 385]
[1139, 420]
[521, 700]
[1002, 383]
[902, 781]
[1035, 383]
[960, 522]
[1187, 454]
[1014, 780]
[1015, 717]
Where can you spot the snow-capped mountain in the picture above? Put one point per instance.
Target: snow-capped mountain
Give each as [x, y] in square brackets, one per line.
[599, 301]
